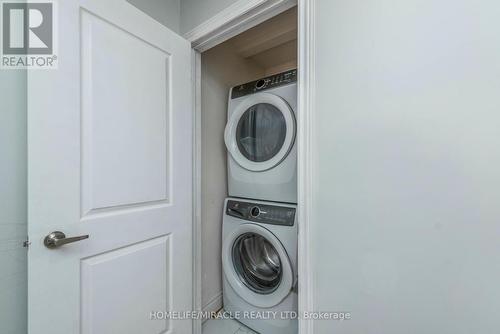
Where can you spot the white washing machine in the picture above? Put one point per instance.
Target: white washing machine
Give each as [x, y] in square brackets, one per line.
[259, 261]
[260, 139]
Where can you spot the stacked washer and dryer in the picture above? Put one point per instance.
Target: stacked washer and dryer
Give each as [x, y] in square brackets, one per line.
[259, 251]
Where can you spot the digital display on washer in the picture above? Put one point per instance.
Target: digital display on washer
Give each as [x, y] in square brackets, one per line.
[261, 213]
[269, 82]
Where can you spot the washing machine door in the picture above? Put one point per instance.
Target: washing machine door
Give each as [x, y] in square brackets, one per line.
[256, 265]
[260, 132]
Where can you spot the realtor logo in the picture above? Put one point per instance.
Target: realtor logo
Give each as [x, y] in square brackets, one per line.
[28, 34]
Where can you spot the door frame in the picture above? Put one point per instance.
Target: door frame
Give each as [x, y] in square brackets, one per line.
[237, 18]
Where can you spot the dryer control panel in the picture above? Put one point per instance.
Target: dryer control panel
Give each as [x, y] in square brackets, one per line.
[261, 213]
[263, 84]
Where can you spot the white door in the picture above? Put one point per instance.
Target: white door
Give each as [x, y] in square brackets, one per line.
[110, 138]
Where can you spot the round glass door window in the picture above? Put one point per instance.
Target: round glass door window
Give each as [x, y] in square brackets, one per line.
[261, 132]
[257, 263]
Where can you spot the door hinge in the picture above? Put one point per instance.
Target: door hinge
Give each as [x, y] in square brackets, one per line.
[26, 243]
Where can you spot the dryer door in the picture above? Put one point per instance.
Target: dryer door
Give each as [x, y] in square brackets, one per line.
[256, 265]
[260, 132]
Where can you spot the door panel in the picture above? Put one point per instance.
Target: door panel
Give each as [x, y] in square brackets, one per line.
[125, 117]
[110, 156]
[140, 274]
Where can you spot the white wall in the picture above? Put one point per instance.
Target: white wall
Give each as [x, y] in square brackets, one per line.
[221, 69]
[195, 12]
[406, 213]
[13, 211]
[167, 12]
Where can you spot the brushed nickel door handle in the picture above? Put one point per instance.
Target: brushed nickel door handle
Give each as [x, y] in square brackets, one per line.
[57, 239]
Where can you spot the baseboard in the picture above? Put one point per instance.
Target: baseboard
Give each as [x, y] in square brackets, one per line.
[214, 305]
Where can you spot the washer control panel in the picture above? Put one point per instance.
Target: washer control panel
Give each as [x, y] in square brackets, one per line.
[269, 82]
[261, 213]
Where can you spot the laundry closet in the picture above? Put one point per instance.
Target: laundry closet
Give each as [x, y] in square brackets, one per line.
[258, 60]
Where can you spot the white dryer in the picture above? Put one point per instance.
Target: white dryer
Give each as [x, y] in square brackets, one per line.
[260, 139]
[259, 261]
